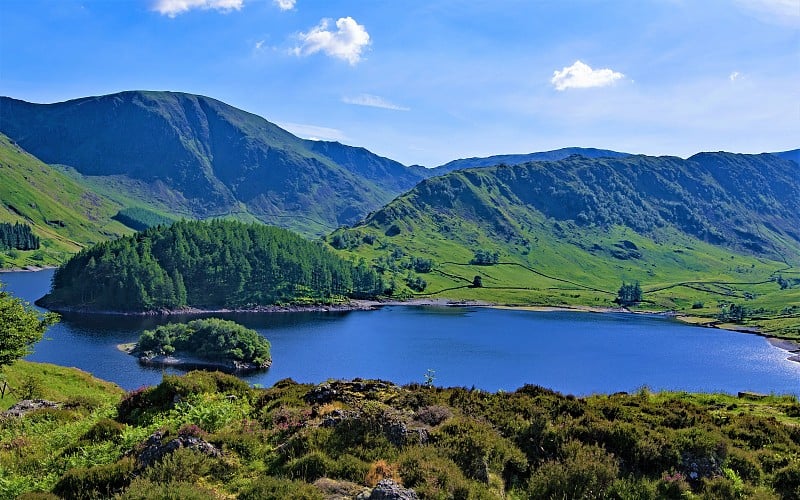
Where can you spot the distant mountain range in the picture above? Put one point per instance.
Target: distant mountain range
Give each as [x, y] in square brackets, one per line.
[199, 157]
[182, 155]
[557, 154]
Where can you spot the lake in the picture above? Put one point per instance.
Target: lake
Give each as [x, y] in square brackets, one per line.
[491, 349]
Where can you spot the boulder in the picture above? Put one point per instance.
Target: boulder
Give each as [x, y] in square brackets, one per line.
[155, 448]
[28, 405]
[387, 489]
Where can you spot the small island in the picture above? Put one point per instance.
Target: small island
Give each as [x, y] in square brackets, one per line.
[206, 344]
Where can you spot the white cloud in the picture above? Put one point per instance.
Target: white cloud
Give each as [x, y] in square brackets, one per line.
[285, 4]
[734, 76]
[172, 8]
[346, 43]
[259, 44]
[373, 101]
[581, 76]
[783, 12]
[314, 132]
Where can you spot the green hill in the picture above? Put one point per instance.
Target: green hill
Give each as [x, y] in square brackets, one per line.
[198, 157]
[64, 214]
[697, 234]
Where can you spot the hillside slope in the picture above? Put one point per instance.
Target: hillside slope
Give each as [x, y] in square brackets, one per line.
[202, 158]
[65, 215]
[570, 232]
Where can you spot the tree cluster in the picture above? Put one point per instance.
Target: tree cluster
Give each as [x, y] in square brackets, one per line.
[485, 258]
[210, 338]
[208, 265]
[629, 294]
[17, 236]
[20, 328]
[734, 313]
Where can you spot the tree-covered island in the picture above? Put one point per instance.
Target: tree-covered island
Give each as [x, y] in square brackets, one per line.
[204, 343]
[221, 264]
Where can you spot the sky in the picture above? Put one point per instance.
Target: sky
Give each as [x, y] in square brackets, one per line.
[428, 81]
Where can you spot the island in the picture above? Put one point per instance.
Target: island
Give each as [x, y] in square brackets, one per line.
[206, 344]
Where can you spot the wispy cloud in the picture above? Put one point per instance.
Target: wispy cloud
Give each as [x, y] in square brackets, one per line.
[734, 76]
[285, 4]
[314, 132]
[782, 12]
[172, 8]
[581, 76]
[347, 42]
[373, 101]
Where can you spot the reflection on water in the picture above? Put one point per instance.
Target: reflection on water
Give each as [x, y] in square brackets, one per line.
[492, 349]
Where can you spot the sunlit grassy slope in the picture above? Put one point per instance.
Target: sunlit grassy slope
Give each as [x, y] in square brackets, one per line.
[567, 258]
[64, 214]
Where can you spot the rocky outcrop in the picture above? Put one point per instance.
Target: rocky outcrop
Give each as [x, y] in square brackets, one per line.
[190, 363]
[351, 392]
[157, 447]
[26, 406]
[387, 489]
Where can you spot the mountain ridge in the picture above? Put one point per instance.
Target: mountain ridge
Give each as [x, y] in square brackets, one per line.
[214, 159]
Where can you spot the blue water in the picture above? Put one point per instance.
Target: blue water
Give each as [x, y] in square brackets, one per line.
[491, 349]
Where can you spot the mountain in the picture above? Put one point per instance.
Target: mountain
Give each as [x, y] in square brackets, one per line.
[571, 231]
[199, 157]
[64, 214]
[793, 155]
[515, 159]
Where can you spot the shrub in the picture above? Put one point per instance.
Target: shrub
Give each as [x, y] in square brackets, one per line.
[378, 471]
[432, 475]
[144, 489]
[350, 468]
[745, 465]
[433, 415]
[182, 465]
[104, 430]
[37, 495]
[585, 472]
[93, 482]
[272, 488]
[787, 481]
[672, 486]
[309, 467]
[478, 449]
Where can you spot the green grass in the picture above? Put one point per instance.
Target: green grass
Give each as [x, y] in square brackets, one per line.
[576, 267]
[55, 383]
[64, 214]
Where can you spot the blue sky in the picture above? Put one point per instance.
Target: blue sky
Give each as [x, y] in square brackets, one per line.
[425, 82]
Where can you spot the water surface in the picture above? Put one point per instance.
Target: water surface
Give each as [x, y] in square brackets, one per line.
[491, 349]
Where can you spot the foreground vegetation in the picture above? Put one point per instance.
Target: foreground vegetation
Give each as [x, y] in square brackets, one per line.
[217, 264]
[208, 435]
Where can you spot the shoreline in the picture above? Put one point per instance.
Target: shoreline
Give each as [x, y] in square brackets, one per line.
[26, 269]
[187, 362]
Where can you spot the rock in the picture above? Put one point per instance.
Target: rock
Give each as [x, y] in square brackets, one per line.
[697, 467]
[387, 489]
[340, 490]
[29, 405]
[352, 392]
[155, 448]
